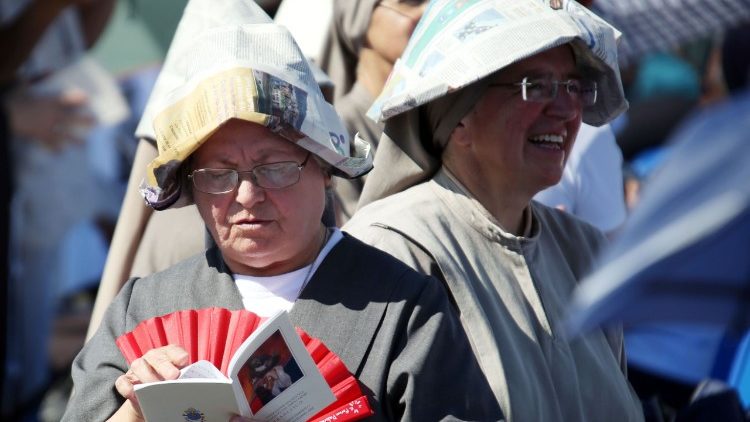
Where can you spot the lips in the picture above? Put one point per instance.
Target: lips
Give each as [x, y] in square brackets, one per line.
[250, 221]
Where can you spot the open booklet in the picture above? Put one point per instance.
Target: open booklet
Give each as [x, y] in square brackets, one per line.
[271, 378]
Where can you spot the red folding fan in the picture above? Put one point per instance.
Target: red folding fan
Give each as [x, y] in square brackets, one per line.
[214, 334]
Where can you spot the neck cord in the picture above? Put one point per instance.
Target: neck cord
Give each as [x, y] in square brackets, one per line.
[326, 236]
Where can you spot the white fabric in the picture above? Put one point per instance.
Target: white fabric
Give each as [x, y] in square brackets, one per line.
[591, 187]
[267, 295]
[308, 21]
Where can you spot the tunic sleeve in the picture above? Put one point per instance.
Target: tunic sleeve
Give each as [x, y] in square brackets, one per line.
[98, 365]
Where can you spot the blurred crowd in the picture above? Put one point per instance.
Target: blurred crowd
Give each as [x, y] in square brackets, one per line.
[75, 81]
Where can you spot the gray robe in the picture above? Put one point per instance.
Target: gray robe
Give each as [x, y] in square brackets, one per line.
[393, 328]
[511, 293]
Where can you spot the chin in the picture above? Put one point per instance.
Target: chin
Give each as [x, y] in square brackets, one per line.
[253, 259]
[250, 247]
[549, 180]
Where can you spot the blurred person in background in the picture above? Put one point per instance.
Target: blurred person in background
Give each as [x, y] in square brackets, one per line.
[663, 88]
[365, 40]
[451, 195]
[131, 49]
[668, 361]
[40, 38]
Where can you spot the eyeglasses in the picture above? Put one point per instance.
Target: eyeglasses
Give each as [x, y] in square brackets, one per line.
[543, 89]
[267, 176]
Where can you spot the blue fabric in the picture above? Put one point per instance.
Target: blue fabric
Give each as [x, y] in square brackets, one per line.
[739, 376]
[692, 261]
[645, 163]
[682, 352]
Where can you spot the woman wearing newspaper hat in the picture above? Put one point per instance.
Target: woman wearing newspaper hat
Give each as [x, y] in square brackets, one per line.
[480, 113]
[247, 137]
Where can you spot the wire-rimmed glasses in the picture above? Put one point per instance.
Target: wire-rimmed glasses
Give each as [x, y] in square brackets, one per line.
[267, 176]
[545, 88]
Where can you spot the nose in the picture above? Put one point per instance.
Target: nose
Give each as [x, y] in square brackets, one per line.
[565, 106]
[247, 193]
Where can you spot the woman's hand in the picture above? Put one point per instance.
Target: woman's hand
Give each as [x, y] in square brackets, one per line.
[53, 120]
[159, 364]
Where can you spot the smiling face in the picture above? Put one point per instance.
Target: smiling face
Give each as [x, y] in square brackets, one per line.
[511, 148]
[259, 231]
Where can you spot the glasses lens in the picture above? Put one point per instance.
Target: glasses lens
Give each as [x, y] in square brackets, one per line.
[215, 180]
[545, 89]
[277, 175]
[538, 89]
[588, 92]
[584, 90]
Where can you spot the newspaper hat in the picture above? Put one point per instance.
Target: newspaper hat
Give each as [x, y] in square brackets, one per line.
[229, 61]
[459, 42]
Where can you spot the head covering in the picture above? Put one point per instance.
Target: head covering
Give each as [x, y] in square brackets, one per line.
[451, 56]
[339, 58]
[229, 61]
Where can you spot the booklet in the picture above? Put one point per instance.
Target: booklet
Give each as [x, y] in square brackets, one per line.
[272, 378]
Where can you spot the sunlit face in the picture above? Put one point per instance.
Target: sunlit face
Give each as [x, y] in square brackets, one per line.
[260, 231]
[391, 25]
[516, 146]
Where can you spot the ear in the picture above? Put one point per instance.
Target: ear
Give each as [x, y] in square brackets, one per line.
[325, 170]
[460, 136]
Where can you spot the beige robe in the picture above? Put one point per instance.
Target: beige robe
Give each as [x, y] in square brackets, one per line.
[352, 108]
[145, 242]
[511, 293]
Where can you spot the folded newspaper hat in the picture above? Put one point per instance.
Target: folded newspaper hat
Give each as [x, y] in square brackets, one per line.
[459, 42]
[221, 67]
